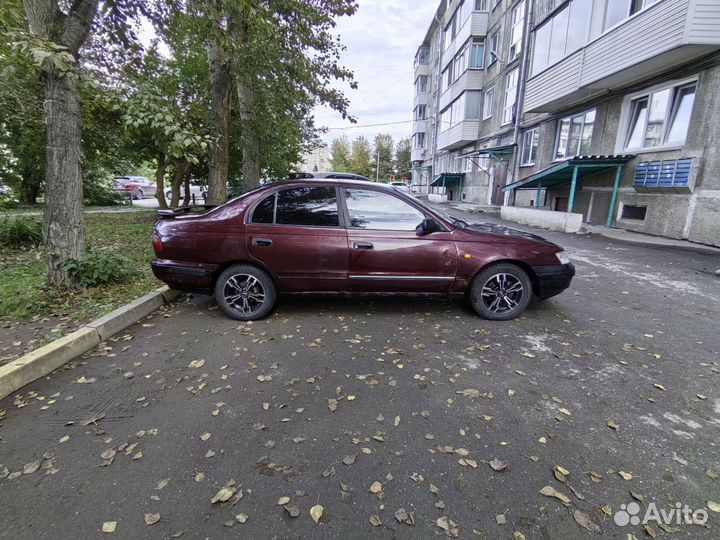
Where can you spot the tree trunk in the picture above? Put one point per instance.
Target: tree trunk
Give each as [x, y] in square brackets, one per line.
[63, 226]
[186, 184]
[251, 142]
[181, 168]
[160, 182]
[221, 93]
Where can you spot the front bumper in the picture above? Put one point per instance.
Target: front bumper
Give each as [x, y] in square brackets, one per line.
[552, 280]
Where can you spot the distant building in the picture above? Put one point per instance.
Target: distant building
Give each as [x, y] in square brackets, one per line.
[316, 161]
[605, 108]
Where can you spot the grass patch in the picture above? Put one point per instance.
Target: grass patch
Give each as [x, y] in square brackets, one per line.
[23, 292]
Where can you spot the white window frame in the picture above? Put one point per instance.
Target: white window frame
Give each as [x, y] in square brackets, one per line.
[510, 97]
[556, 143]
[627, 110]
[517, 20]
[494, 47]
[488, 103]
[534, 134]
[632, 4]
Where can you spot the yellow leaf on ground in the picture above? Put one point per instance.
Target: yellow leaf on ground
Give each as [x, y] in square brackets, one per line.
[109, 526]
[316, 512]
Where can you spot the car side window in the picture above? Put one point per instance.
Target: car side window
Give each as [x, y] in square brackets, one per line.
[309, 206]
[264, 212]
[380, 211]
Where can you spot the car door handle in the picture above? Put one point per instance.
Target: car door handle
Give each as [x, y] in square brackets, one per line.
[362, 245]
[261, 242]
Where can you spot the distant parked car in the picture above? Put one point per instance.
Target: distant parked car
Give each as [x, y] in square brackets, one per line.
[402, 186]
[5, 191]
[197, 188]
[327, 176]
[341, 236]
[136, 187]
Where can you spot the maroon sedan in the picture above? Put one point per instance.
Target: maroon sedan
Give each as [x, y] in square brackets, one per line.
[339, 237]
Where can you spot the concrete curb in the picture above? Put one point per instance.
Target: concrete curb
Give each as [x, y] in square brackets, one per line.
[48, 358]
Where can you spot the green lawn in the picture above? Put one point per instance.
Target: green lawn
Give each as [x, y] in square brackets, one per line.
[22, 288]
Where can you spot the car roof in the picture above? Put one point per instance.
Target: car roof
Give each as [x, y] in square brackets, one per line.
[328, 182]
[325, 174]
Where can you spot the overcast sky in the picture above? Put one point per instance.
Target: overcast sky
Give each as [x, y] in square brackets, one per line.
[381, 39]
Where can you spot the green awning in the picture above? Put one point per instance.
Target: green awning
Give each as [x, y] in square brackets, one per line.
[447, 178]
[562, 173]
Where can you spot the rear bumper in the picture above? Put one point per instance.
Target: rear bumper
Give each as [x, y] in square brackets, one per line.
[552, 280]
[184, 276]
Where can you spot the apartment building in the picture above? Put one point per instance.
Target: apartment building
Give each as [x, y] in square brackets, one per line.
[617, 115]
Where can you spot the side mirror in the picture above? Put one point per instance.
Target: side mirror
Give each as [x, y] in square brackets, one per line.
[428, 226]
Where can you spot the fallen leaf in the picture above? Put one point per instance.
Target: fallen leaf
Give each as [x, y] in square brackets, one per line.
[612, 424]
[152, 519]
[109, 453]
[283, 501]
[715, 507]
[470, 393]
[30, 468]
[224, 494]
[561, 473]
[375, 520]
[332, 404]
[64, 439]
[625, 475]
[205, 436]
[376, 487]
[109, 526]
[404, 517]
[162, 483]
[197, 363]
[517, 535]
[650, 531]
[349, 460]
[241, 518]
[497, 464]
[200, 477]
[316, 513]
[293, 511]
[587, 521]
[500, 519]
[351, 398]
[550, 491]
[711, 474]
[660, 387]
[565, 412]
[298, 440]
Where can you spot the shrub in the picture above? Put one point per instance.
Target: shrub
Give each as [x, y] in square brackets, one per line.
[20, 231]
[97, 195]
[101, 267]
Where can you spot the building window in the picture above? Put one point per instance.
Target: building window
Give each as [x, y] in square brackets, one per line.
[420, 141]
[421, 84]
[631, 211]
[528, 153]
[619, 10]
[660, 118]
[489, 103]
[420, 112]
[511, 82]
[574, 135]
[472, 111]
[468, 164]
[447, 78]
[460, 61]
[481, 5]
[517, 21]
[564, 33]
[494, 47]
[477, 54]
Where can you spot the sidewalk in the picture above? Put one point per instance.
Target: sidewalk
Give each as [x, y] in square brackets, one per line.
[619, 235]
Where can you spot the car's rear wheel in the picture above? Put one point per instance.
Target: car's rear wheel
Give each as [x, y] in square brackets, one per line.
[139, 194]
[501, 292]
[245, 292]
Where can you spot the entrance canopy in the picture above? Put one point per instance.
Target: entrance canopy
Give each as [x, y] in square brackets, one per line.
[447, 178]
[568, 171]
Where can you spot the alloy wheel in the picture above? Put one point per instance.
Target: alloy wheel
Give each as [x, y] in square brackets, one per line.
[244, 293]
[502, 293]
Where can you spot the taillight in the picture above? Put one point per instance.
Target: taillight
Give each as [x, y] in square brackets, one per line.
[157, 244]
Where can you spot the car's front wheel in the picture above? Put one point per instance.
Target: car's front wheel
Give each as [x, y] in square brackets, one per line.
[501, 292]
[245, 292]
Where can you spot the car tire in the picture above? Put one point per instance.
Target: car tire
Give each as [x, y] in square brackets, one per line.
[139, 194]
[501, 292]
[253, 290]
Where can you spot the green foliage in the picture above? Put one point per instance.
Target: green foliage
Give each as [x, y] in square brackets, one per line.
[19, 231]
[361, 157]
[96, 194]
[340, 154]
[101, 267]
[383, 146]
[403, 164]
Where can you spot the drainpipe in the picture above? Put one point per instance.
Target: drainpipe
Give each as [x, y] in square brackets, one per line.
[441, 49]
[524, 72]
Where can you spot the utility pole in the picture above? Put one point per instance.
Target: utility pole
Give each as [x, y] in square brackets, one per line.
[377, 165]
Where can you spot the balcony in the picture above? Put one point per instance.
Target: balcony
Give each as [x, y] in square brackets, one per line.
[459, 135]
[418, 154]
[471, 79]
[422, 69]
[475, 25]
[419, 126]
[667, 34]
[421, 98]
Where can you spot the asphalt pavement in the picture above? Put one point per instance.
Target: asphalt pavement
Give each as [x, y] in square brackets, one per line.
[400, 418]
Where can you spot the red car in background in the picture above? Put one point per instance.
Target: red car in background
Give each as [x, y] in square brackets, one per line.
[340, 237]
[136, 187]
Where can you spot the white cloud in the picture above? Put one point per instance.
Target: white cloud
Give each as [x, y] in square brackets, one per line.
[381, 40]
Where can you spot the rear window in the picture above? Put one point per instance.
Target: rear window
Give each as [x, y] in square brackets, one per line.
[309, 206]
[264, 211]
